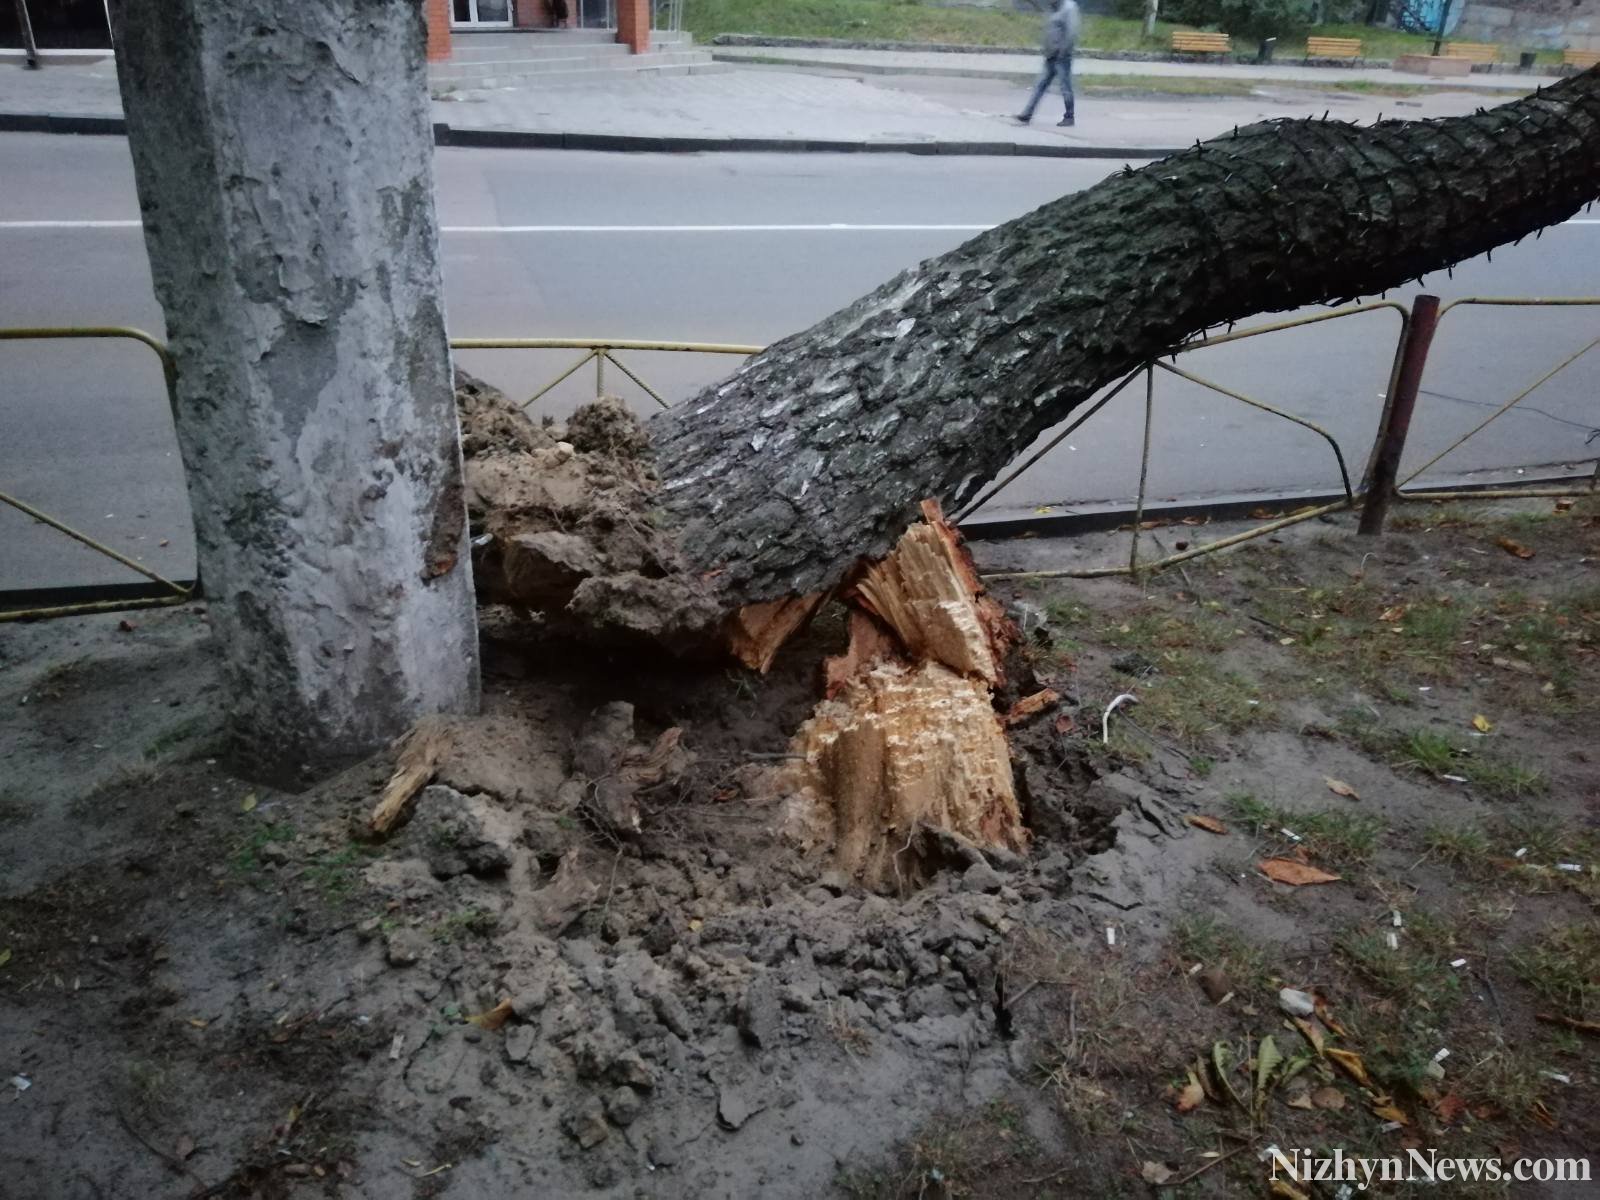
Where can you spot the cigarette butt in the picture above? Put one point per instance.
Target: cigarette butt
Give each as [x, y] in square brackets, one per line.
[1460, 962]
[1557, 1076]
[1394, 941]
[1111, 935]
[1397, 918]
[1290, 834]
[1195, 970]
[1444, 1053]
[394, 1046]
[1520, 853]
[1569, 866]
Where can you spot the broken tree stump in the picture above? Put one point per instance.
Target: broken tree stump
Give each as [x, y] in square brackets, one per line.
[907, 742]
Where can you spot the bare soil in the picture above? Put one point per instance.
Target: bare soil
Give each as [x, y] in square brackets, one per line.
[208, 987]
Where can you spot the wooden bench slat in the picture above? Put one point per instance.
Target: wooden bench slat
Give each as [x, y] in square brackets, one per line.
[1203, 43]
[1331, 47]
[1481, 52]
[1580, 58]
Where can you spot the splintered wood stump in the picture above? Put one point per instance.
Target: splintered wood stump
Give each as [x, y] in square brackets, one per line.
[907, 743]
[902, 751]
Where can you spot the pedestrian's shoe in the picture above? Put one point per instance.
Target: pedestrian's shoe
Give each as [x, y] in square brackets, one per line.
[1022, 118]
[1066, 121]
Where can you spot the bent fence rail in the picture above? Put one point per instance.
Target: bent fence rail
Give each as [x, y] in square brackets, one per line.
[1377, 485]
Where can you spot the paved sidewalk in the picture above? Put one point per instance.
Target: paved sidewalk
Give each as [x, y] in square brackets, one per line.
[979, 64]
[769, 108]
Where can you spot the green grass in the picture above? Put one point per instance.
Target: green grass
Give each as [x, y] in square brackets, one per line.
[1562, 967]
[1208, 940]
[1337, 836]
[247, 854]
[1431, 753]
[466, 922]
[335, 875]
[899, 21]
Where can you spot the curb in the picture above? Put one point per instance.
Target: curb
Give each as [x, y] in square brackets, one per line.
[528, 139]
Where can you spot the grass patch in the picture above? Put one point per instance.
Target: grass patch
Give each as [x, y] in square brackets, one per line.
[874, 20]
[1190, 699]
[1562, 968]
[1337, 836]
[1429, 752]
[951, 1157]
[247, 854]
[464, 923]
[1159, 629]
[1208, 940]
[335, 875]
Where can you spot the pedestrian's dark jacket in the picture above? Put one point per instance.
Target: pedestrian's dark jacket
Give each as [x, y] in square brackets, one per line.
[1061, 29]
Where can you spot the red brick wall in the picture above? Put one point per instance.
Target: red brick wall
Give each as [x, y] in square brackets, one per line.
[535, 14]
[437, 14]
[633, 24]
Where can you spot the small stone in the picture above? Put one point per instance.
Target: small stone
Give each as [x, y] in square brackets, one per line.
[586, 1124]
[472, 1034]
[796, 1139]
[404, 947]
[835, 881]
[980, 877]
[623, 1105]
[1296, 1003]
[735, 1106]
[519, 1043]
[1214, 982]
[760, 1018]
[274, 852]
[630, 1068]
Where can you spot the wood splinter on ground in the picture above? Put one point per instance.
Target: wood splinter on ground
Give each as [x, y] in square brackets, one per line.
[907, 742]
[418, 753]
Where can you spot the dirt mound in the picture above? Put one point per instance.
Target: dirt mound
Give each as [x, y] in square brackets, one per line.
[563, 526]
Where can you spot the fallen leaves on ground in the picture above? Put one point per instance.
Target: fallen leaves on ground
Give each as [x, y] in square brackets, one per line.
[1191, 1095]
[1449, 1107]
[1511, 547]
[1328, 1097]
[1350, 1063]
[1393, 613]
[1209, 824]
[1296, 874]
[1285, 1190]
[1481, 723]
[1384, 1109]
[1340, 788]
[494, 1018]
[1065, 723]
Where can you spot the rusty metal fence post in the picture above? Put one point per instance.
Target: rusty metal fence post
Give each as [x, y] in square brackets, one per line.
[1397, 417]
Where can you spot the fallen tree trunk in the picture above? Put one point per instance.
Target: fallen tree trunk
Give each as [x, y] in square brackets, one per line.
[779, 480]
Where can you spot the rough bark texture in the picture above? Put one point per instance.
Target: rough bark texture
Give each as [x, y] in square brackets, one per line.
[283, 156]
[817, 452]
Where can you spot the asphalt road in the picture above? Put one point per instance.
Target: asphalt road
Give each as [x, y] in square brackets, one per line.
[734, 249]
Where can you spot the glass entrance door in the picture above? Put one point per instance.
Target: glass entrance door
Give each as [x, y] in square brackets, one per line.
[481, 14]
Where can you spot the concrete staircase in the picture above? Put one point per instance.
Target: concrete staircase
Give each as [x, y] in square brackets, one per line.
[534, 58]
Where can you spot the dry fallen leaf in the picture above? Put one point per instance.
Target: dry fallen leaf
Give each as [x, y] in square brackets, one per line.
[1297, 874]
[1156, 1173]
[1312, 1032]
[1328, 1097]
[494, 1018]
[1299, 1100]
[1511, 547]
[1065, 723]
[1350, 1062]
[1392, 614]
[1340, 788]
[248, 803]
[1284, 1190]
[5, 956]
[1209, 824]
[1450, 1107]
[1481, 723]
[1540, 1113]
[1388, 1112]
[1190, 1096]
[199, 1022]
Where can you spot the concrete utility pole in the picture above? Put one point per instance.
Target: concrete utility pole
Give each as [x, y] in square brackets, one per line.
[283, 154]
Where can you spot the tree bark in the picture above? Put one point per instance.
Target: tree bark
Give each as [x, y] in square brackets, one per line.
[283, 156]
[816, 453]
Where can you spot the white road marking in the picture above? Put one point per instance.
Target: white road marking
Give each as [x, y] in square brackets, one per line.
[832, 227]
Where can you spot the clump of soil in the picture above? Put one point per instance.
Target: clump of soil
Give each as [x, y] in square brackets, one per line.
[563, 525]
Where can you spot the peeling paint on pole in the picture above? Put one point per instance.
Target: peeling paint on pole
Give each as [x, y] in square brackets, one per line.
[283, 156]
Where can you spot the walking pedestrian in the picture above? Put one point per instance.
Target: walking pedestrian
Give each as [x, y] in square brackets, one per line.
[1060, 40]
